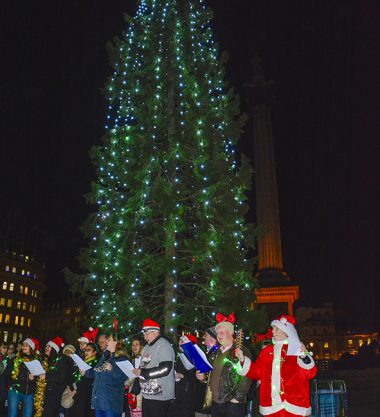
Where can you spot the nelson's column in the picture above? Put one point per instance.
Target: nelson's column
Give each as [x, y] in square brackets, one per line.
[277, 291]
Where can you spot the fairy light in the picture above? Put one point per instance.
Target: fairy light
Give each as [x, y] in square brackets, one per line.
[138, 160]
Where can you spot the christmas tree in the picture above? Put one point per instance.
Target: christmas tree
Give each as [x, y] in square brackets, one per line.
[169, 239]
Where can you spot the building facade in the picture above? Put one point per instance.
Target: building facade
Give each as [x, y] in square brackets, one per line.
[65, 319]
[318, 330]
[22, 286]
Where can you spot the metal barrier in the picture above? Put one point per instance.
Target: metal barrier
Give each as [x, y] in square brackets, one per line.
[329, 398]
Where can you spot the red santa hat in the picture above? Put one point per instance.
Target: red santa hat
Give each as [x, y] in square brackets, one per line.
[227, 322]
[188, 337]
[149, 325]
[33, 343]
[56, 343]
[89, 336]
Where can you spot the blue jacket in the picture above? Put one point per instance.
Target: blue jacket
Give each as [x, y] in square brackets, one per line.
[108, 390]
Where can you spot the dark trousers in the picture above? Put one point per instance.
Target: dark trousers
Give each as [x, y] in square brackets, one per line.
[155, 408]
[227, 409]
[52, 403]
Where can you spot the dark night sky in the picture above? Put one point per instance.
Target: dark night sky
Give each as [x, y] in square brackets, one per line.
[321, 57]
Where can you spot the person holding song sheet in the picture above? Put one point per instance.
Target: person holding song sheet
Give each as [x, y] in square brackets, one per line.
[228, 389]
[203, 390]
[108, 389]
[51, 385]
[133, 397]
[157, 369]
[82, 387]
[185, 383]
[22, 384]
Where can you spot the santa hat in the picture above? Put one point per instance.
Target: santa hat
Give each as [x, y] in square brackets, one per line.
[227, 322]
[286, 324]
[188, 337]
[149, 325]
[56, 343]
[89, 336]
[33, 343]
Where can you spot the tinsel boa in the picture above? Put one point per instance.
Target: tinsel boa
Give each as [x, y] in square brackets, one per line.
[39, 395]
[17, 362]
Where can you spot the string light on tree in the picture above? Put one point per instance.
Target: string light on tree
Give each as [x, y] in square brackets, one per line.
[169, 236]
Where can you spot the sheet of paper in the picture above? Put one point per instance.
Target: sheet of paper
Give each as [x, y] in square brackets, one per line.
[80, 363]
[35, 367]
[203, 356]
[197, 357]
[127, 368]
[186, 363]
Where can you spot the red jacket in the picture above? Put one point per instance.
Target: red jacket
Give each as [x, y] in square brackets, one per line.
[284, 380]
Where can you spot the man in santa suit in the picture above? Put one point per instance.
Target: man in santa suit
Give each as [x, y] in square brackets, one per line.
[284, 370]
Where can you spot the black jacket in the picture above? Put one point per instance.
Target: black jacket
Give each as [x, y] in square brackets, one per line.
[22, 383]
[58, 375]
[82, 398]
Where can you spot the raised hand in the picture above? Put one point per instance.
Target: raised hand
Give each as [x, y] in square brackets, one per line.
[239, 354]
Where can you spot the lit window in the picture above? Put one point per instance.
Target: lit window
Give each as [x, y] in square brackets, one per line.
[7, 268]
[11, 286]
[23, 272]
[35, 294]
[26, 290]
[30, 307]
[28, 322]
[24, 306]
[28, 273]
[34, 309]
[18, 305]
[22, 321]
[2, 301]
[360, 342]
[349, 342]
[9, 302]
[16, 320]
[5, 285]
[20, 336]
[32, 293]
[14, 269]
[5, 337]
[369, 340]
[6, 318]
[68, 311]
[78, 310]
[1, 317]
[326, 345]
[21, 289]
[14, 337]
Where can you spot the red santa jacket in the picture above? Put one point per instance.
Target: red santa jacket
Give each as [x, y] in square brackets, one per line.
[284, 380]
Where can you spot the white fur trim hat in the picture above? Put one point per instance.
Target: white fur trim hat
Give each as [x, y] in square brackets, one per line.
[56, 343]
